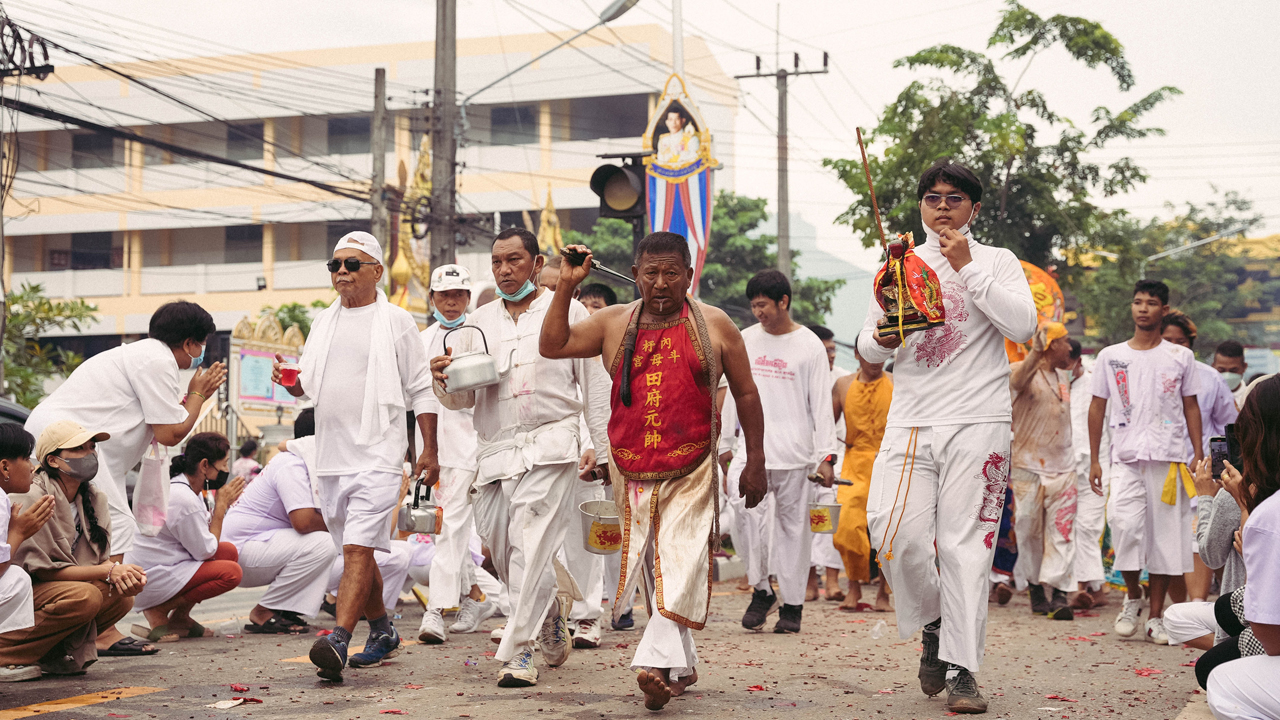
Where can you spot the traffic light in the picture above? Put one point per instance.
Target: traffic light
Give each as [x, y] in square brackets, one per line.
[621, 189]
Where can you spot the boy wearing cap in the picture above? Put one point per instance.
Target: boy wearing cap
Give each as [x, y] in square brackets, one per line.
[453, 570]
[363, 362]
[1043, 477]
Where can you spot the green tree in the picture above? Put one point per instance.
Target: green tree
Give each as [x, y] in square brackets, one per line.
[733, 256]
[1208, 283]
[27, 363]
[295, 314]
[1038, 191]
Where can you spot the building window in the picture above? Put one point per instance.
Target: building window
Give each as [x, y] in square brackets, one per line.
[90, 150]
[244, 244]
[244, 142]
[335, 229]
[614, 116]
[349, 136]
[90, 251]
[513, 125]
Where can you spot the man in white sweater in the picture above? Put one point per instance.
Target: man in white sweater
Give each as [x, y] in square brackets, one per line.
[790, 368]
[937, 486]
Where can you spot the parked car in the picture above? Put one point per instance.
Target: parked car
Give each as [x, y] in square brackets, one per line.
[12, 412]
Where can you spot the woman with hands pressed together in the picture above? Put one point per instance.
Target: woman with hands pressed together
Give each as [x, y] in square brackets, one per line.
[78, 592]
[186, 563]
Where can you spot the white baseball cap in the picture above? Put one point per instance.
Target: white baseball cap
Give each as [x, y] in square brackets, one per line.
[362, 241]
[450, 277]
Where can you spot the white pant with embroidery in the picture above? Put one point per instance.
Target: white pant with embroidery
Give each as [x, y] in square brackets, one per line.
[940, 487]
[1044, 523]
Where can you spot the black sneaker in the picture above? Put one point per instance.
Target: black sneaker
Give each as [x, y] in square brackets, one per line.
[624, 622]
[329, 656]
[933, 672]
[762, 603]
[1039, 604]
[788, 619]
[963, 695]
[1059, 608]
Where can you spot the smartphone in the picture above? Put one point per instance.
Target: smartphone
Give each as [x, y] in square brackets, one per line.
[1233, 449]
[1217, 454]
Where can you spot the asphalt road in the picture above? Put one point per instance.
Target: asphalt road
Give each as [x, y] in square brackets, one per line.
[837, 668]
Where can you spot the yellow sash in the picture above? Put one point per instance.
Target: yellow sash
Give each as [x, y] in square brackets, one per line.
[1169, 495]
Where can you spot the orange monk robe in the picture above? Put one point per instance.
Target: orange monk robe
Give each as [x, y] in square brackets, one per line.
[866, 410]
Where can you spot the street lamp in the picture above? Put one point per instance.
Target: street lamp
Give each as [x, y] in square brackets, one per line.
[1142, 269]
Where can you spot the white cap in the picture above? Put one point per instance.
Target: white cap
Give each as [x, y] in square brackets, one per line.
[362, 241]
[450, 277]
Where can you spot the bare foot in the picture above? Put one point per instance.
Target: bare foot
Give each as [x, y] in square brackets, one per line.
[678, 686]
[654, 687]
[882, 603]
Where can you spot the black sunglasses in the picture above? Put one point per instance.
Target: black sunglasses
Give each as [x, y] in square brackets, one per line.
[933, 200]
[352, 264]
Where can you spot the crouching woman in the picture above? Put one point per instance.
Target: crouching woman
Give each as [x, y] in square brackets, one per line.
[185, 562]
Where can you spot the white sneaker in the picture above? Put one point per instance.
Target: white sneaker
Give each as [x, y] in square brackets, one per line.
[431, 631]
[587, 634]
[19, 673]
[518, 671]
[495, 635]
[1156, 633]
[471, 613]
[1127, 620]
[553, 637]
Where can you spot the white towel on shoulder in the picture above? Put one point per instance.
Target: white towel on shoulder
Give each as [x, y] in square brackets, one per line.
[383, 390]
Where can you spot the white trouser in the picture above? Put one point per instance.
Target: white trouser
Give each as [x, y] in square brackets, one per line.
[823, 553]
[1044, 518]
[934, 511]
[17, 604]
[522, 520]
[1091, 520]
[1246, 689]
[739, 519]
[1188, 621]
[613, 569]
[452, 567]
[1147, 533]
[786, 523]
[586, 567]
[295, 567]
[393, 565]
[665, 643]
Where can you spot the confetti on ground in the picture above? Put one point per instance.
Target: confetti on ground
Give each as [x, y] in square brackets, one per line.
[322, 633]
[1097, 634]
[239, 688]
[412, 687]
[1059, 697]
[1189, 664]
[226, 704]
[756, 688]
[1147, 672]
[392, 712]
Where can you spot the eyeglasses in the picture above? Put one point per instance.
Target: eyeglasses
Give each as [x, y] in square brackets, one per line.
[953, 201]
[352, 264]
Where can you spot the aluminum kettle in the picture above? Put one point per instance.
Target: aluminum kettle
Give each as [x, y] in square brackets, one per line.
[474, 369]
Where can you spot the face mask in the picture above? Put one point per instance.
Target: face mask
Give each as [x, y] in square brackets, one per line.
[449, 323]
[520, 294]
[198, 360]
[1233, 379]
[82, 468]
[217, 482]
[931, 235]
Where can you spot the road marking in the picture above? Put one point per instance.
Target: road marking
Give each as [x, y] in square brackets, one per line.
[78, 701]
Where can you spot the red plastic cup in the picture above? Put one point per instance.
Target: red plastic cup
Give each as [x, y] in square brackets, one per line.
[289, 374]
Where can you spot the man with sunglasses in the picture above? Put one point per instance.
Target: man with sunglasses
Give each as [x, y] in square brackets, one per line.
[938, 482]
[363, 361]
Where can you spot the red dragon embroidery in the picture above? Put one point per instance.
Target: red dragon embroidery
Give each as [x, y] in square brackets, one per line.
[938, 345]
[994, 476]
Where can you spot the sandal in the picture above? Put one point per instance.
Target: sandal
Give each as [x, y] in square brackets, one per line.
[129, 647]
[277, 624]
[197, 631]
[296, 620]
[161, 634]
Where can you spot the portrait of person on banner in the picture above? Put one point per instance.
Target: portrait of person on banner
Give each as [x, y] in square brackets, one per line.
[676, 137]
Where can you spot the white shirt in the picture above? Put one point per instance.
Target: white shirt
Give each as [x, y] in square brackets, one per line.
[1217, 407]
[793, 377]
[282, 487]
[455, 429]
[122, 391]
[1081, 398]
[513, 418]
[1259, 540]
[959, 373]
[6, 507]
[341, 394]
[1145, 390]
[173, 556]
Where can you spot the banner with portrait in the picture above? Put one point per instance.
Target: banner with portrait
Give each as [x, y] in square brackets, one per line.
[678, 172]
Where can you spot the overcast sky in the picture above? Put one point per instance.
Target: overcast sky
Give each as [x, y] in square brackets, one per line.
[1222, 131]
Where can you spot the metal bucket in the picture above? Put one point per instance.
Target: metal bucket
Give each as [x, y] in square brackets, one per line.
[824, 518]
[601, 530]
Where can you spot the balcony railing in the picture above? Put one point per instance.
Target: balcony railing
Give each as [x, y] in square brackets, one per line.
[177, 279]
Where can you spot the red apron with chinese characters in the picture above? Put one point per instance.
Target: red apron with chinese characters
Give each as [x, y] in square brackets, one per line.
[668, 429]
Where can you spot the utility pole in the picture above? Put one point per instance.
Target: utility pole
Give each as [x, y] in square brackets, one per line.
[444, 147]
[378, 146]
[784, 202]
[677, 37]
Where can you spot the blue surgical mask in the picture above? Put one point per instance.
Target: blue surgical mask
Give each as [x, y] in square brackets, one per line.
[449, 323]
[518, 295]
[199, 359]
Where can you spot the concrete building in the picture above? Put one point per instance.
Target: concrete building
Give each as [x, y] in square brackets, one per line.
[127, 227]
